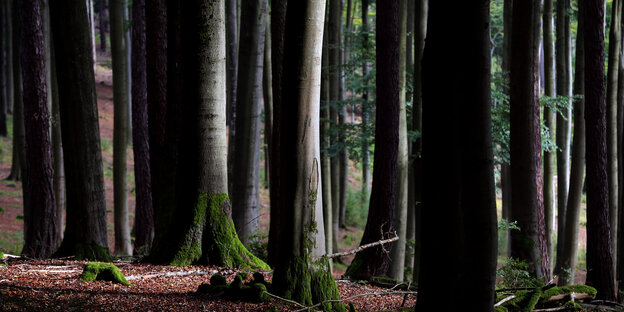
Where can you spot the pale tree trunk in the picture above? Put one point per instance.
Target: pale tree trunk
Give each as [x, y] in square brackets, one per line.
[85, 233]
[245, 200]
[397, 256]
[612, 82]
[92, 29]
[567, 258]
[120, 132]
[302, 273]
[549, 121]
[410, 231]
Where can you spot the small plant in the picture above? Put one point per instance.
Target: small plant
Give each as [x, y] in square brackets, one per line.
[514, 274]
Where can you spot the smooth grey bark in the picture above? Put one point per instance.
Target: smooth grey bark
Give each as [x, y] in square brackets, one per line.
[119, 48]
[267, 93]
[397, 255]
[567, 259]
[612, 86]
[246, 167]
[549, 121]
[85, 233]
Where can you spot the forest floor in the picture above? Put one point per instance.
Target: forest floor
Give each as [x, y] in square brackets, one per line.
[54, 285]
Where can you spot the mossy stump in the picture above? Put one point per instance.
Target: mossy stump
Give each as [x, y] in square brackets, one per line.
[102, 272]
[236, 290]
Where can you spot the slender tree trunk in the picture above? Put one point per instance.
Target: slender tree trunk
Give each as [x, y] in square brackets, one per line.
[85, 233]
[40, 233]
[620, 138]
[144, 211]
[325, 143]
[365, 106]
[302, 274]
[342, 115]
[128, 43]
[120, 95]
[103, 11]
[3, 104]
[410, 231]
[599, 256]
[267, 93]
[612, 86]
[333, 37]
[57, 151]
[505, 169]
[459, 209]
[549, 121]
[568, 256]
[19, 141]
[380, 223]
[397, 256]
[245, 200]
[9, 57]
[231, 27]
[527, 206]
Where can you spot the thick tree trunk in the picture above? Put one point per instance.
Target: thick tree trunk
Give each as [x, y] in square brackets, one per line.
[549, 121]
[103, 19]
[529, 244]
[246, 174]
[40, 229]
[144, 211]
[119, 49]
[599, 256]
[85, 233]
[397, 256]
[567, 258]
[459, 209]
[380, 223]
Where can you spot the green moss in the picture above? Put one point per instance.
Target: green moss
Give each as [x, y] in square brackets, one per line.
[254, 293]
[221, 243]
[102, 272]
[218, 279]
[1, 254]
[244, 276]
[569, 289]
[500, 309]
[92, 252]
[324, 286]
[573, 306]
[532, 301]
[190, 250]
[355, 267]
[237, 283]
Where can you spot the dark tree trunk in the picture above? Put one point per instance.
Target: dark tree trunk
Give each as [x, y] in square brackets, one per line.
[334, 26]
[380, 223]
[9, 57]
[144, 212]
[529, 244]
[365, 106]
[459, 209]
[41, 236]
[3, 100]
[231, 33]
[19, 144]
[85, 234]
[57, 152]
[599, 256]
[103, 21]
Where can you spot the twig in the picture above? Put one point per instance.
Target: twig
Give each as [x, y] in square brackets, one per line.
[358, 249]
[504, 300]
[284, 299]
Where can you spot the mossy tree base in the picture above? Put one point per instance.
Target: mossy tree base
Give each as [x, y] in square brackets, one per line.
[102, 272]
[82, 251]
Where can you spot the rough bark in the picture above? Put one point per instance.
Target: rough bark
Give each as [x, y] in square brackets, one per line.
[567, 259]
[3, 100]
[302, 274]
[85, 233]
[144, 211]
[529, 244]
[246, 168]
[40, 232]
[549, 121]
[57, 152]
[599, 256]
[410, 232]
[9, 57]
[325, 142]
[231, 27]
[459, 209]
[380, 223]
[19, 144]
[365, 106]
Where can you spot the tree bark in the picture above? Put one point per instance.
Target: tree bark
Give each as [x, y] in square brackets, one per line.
[245, 200]
[40, 228]
[325, 143]
[144, 211]
[599, 256]
[103, 11]
[365, 106]
[57, 150]
[85, 233]
[549, 121]
[18, 165]
[620, 153]
[459, 209]
[380, 223]
[410, 232]
[3, 101]
[231, 27]
[9, 57]
[334, 26]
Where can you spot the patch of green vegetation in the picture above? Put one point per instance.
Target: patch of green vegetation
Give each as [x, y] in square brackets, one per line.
[514, 274]
[107, 145]
[356, 211]
[19, 217]
[102, 272]
[17, 194]
[12, 243]
[2, 210]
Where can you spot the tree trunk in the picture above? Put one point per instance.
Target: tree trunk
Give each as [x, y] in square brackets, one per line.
[120, 133]
[397, 256]
[612, 86]
[9, 57]
[599, 256]
[341, 107]
[365, 106]
[459, 209]
[620, 153]
[302, 273]
[334, 26]
[231, 27]
[18, 165]
[267, 93]
[568, 256]
[144, 211]
[57, 151]
[325, 143]
[85, 233]
[505, 170]
[529, 244]
[103, 11]
[40, 229]
[3, 104]
[380, 223]
[245, 200]
[549, 121]
[410, 232]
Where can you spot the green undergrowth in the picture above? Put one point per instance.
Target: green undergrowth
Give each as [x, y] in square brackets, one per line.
[99, 271]
[242, 288]
[530, 299]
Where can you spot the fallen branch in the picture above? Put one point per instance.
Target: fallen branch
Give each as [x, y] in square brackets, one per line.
[561, 308]
[169, 274]
[504, 300]
[358, 249]
[573, 296]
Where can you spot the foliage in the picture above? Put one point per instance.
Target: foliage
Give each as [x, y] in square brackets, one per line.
[504, 225]
[514, 274]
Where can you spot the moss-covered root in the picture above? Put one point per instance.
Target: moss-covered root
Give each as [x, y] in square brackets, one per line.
[310, 284]
[220, 244]
[324, 286]
[102, 272]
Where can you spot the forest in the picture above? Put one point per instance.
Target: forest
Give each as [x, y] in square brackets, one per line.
[335, 155]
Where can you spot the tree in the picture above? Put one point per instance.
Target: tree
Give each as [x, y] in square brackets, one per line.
[334, 35]
[119, 48]
[10, 98]
[599, 256]
[231, 27]
[529, 244]
[246, 169]
[103, 19]
[40, 226]
[380, 223]
[326, 179]
[302, 273]
[458, 195]
[19, 145]
[144, 211]
[3, 100]
[365, 108]
[85, 233]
